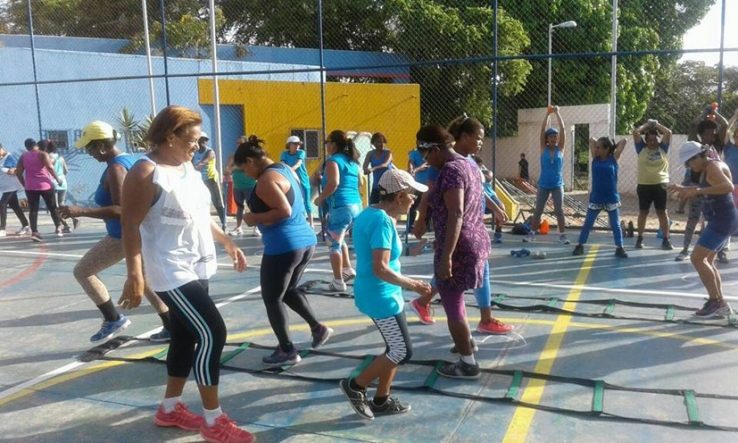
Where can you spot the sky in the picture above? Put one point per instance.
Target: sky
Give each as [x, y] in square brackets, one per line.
[707, 35]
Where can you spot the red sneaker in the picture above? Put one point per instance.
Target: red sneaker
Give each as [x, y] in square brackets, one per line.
[180, 417]
[424, 312]
[494, 326]
[225, 430]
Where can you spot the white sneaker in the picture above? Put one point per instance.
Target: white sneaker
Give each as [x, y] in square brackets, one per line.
[237, 231]
[530, 238]
[337, 286]
[2, 233]
[563, 240]
[25, 230]
[683, 255]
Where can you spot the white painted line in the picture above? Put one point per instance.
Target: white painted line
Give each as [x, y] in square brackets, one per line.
[562, 286]
[77, 364]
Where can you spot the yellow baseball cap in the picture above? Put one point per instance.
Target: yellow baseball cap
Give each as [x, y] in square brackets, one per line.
[97, 130]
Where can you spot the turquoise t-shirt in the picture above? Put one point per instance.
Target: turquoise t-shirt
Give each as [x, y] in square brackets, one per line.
[291, 160]
[374, 229]
[552, 168]
[347, 192]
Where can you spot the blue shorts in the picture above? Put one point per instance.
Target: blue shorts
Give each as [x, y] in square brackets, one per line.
[341, 218]
[716, 239]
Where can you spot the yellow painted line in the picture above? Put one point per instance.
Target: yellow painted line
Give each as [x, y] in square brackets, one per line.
[520, 423]
[365, 321]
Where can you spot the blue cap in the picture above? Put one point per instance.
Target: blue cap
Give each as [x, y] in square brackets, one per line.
[552, 131]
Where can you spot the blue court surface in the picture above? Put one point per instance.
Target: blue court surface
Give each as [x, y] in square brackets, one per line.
[604, 350]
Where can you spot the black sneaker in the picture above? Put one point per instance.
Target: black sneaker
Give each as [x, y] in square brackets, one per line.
[666, 245]
[473, 344]
[280, 357]
[639, 243]
[459, 369]
[620, 252]
[357, 399]
[321, 335]
[391, 406]
[722, 257]
[578, 250]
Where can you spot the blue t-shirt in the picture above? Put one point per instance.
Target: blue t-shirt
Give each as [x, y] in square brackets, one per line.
[604, 181]
[432, 175]
[291, 233]
[292, 159]
[416, 159]
[552, 168]
[374, 229]
[375, 160]
[103, 196]
[730, 153]
[347, 192]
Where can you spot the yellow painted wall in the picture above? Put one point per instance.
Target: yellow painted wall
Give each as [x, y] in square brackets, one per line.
[272, 108]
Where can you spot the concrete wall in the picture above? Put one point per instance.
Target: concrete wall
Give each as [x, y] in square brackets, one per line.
[508, 149]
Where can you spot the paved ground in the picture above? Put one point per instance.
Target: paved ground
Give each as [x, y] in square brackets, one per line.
[47, 395]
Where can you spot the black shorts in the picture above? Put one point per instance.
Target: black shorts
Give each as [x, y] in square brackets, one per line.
[648, 194]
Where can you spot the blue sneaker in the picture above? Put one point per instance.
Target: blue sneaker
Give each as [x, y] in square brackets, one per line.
[110, 329]
[161, 337]
[498, 237]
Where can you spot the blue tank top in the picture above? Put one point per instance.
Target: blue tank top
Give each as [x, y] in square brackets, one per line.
[718, 208]
[604, 181]
[416, 159]
[103, 196]
[552, 168]
[293, 232]
[730, 152]
[376, 160]
[347, 192]
[291, 160]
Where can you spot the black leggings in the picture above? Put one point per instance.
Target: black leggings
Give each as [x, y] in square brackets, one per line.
[198, 333]
[34, 197]
[279, 277]
[216, 196]
[11, 199]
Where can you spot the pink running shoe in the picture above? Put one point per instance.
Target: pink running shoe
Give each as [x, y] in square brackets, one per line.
[424, 312]
[494, 327]
[180, 417]
[225, 430]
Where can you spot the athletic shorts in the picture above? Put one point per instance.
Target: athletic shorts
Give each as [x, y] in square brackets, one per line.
[652, 194]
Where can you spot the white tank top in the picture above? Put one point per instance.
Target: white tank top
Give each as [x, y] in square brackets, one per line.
[176, 241]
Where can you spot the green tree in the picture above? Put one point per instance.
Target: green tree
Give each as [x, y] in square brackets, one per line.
[683, 91]
[644, 25]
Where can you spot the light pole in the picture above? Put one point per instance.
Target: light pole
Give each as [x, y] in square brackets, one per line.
[551, 27]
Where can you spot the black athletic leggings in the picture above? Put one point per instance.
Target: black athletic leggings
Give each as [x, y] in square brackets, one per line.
[11, 199]
[279, 277]
[34, 197]
[198, 333]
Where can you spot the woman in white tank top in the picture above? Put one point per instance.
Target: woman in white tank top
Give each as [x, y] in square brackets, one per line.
[167, 227]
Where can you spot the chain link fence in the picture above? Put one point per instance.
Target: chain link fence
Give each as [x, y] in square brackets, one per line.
[306, 67]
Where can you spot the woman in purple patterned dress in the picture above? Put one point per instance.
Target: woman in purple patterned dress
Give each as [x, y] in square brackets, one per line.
[462, 241]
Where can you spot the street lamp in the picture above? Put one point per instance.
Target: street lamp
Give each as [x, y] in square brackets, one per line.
[551, 26]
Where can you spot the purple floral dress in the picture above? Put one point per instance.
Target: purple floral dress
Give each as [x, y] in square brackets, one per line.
[472, 249]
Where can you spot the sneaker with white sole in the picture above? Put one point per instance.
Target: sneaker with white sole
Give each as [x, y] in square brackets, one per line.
[683, 255]
[459, 369]
[225, 430]
[714, 308]
[162, 336]
[25, 230]
[3, 233]
[181, 417]
[357, 399]
[37, 237]
[321, 334]
[280, 357]
[337, 286]
[563, 240]
[391, 406]
[110, 329]
[234, 232]
[348, 274]
[425, 314]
